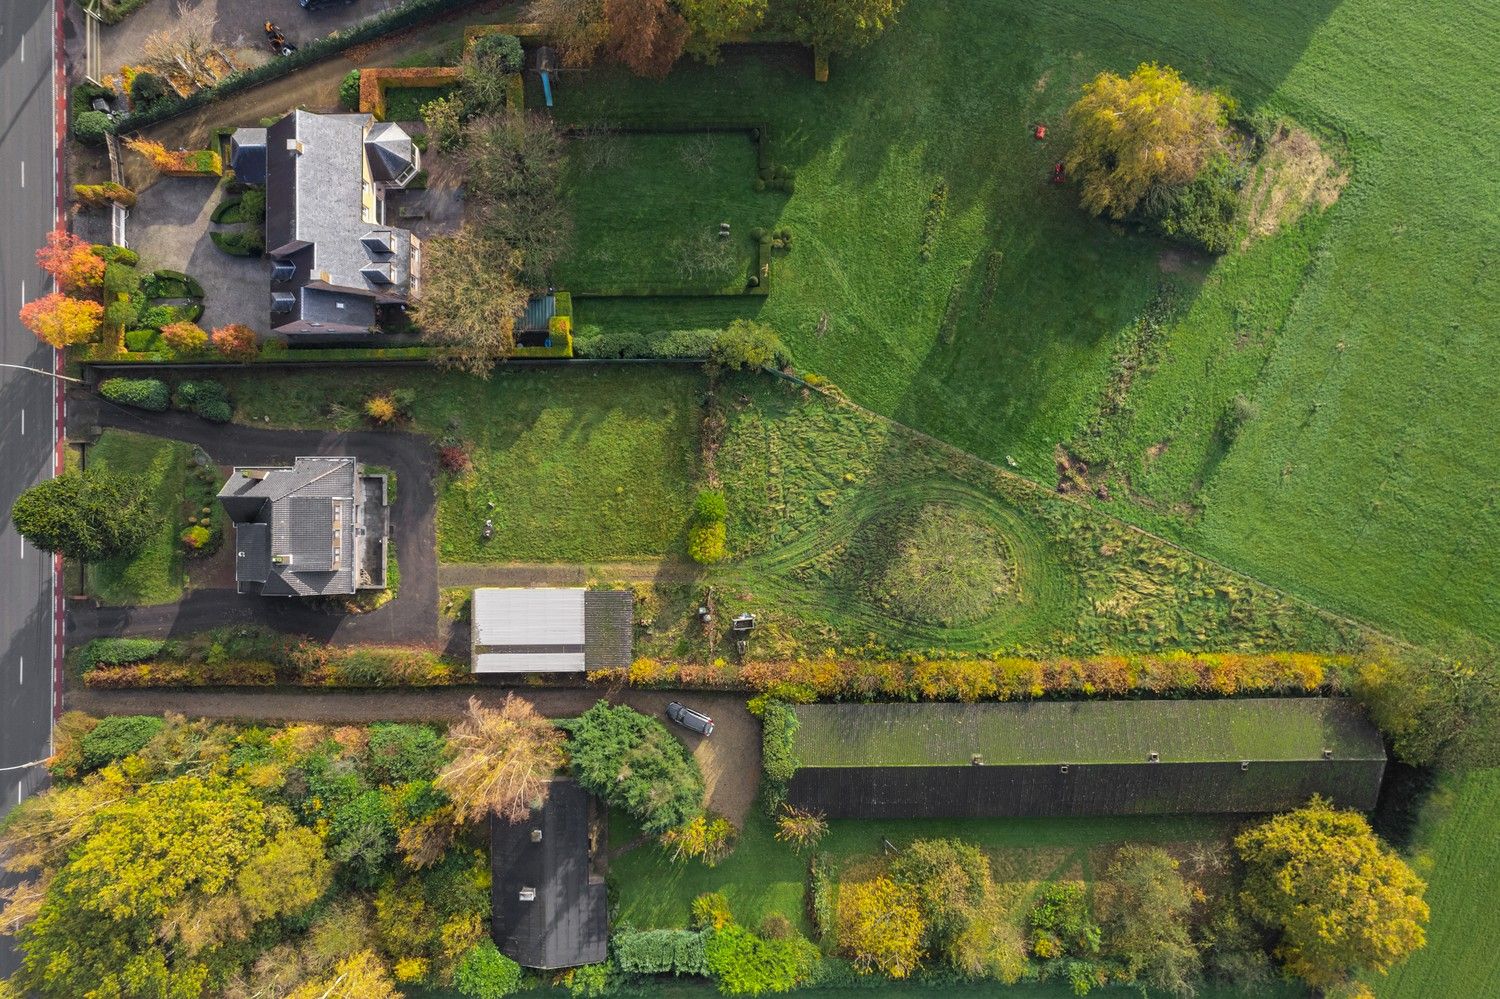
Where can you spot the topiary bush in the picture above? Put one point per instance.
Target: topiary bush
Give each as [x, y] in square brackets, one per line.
[253, 205]
[142, 393]
[485, 973]
[115, 738]
[91, 126]
[349, 90]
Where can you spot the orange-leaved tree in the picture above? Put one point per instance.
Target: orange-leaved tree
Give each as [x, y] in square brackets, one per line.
[236, 342]
[505, 758]
[1132, 132]
[158, 154]
[60, 319]
[184, 337]
[71, 261]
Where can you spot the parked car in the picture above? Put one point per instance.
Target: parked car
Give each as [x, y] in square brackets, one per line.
[693, 721]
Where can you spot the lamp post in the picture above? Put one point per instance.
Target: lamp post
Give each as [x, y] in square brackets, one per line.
[43, 371]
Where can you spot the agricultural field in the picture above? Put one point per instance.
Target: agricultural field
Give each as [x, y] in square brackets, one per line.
[1356, 473]
[1457, 850]
[571, 465]
[616, 184]
[164, 470]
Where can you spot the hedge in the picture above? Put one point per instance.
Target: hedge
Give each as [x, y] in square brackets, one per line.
[229, 206]
[304, 663]
[659, 952]
[115, 738]
[778, 751]
[375, 81]
[142, 393]
[117, 652]
[394, 19]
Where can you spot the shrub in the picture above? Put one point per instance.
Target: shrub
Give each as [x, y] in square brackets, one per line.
[91, 126]
[380, 408]
[632, 762]
[142, 340]
[117, 254]
[1204, 212]
[485, 973]
[215, 411]
[118, 652]
[115, 738]
[148, 91]
[711, 911]
[778, 758]
[504, 49]
[822, 891]
[802, 829]
[142, 393]
[455, 458]
[120, 279]
[195, 540]
[185, 339]
[706, 838]
[349, 91]
[399, 754]
[747, 964]
[706, 543]
[208, 399]
[880, 927]
[1061, 924]
[748, 344]
[236, 342]
[253, 205]
[710, 505]
[122, 311]
[659, 952]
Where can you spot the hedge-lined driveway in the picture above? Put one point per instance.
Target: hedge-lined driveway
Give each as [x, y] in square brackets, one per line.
[409, 619]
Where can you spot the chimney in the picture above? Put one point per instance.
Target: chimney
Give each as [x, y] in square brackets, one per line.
[294, 146]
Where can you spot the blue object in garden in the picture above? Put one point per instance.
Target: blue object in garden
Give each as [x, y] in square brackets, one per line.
[547, 342]
[547, 88]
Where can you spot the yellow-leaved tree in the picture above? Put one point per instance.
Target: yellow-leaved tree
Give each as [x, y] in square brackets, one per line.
[1129, 133]
[1340, 901]
[880, 927]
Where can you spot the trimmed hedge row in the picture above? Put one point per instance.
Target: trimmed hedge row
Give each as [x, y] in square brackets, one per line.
[117, 652]
[306, 663]
[374, 81]
[143, 393]
[659, 952]
[411, 13]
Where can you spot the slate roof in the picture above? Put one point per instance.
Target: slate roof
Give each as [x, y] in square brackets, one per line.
[247, 155]
[296, 529]
[550, 629]
[320, 213]
[549, 911]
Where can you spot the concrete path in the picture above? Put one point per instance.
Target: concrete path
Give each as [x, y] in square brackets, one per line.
[730, 759]
[409, 619]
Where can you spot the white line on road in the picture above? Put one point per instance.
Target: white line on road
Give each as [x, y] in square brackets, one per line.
[23, 173]
[23, 423]
[18, 792]
[23, 48]
[23, 549]
[21, 677]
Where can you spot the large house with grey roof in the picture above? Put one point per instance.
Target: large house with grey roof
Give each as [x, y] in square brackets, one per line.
[335, 263]
[319, 528]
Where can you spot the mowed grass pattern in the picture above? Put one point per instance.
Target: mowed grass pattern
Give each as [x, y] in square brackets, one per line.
[1366, 481]
[158, 468]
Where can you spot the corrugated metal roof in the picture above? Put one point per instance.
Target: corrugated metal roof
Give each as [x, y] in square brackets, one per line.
[541, 616]
[529, 662]
[539, 310]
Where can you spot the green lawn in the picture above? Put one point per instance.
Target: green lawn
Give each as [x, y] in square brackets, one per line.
[159, 467]
[1457, 848]
[1366, 481]
[405, 103]
[763, 876]
[573, 465]
[617, 185]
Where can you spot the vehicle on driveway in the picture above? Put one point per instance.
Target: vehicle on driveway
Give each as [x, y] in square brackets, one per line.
[693, 721]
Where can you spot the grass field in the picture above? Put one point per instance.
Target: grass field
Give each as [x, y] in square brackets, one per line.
[763, 876]
[571, 464]
[821, 504]
[617, 185]
[405, 103]
[1360, 336]
[159, 467]
[1458, 851]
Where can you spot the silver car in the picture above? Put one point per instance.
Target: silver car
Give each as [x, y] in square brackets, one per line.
[693, 721]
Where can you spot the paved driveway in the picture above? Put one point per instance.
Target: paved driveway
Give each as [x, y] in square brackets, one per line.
[409, 619]
[169, 228]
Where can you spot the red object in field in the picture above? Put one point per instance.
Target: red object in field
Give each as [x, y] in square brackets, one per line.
[1041, 132]
[1057, 174]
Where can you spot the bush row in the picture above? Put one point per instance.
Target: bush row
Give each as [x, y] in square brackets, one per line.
[1001, 678]
[740, 345]
[273, 661]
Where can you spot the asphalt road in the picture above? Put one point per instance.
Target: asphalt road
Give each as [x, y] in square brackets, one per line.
[27, 158]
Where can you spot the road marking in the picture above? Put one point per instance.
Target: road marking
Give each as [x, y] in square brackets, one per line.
[23, 173]
[21, 677]
[23, 549]
[18, 792]
[23, 48]
[23, 423]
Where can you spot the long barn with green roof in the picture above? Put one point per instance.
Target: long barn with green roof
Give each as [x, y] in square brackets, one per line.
[1083, 758]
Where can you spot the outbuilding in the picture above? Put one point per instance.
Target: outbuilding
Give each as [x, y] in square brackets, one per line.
[550, 629]
[1083, 758]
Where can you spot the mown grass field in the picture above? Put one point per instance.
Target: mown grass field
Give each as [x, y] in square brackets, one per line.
[618, 186]
[159, 468]
[1364, 482]
[571, 465]
[1458, 850]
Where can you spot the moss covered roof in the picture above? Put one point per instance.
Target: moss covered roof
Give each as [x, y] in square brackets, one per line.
[1198, 731]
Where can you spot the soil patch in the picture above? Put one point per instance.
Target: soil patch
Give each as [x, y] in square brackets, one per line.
[1293, 175]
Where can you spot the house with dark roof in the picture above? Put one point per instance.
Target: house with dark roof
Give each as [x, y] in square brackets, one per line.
[1083, 758]
[335, 262]
[550, 629]
[547, 899]
[320, 527]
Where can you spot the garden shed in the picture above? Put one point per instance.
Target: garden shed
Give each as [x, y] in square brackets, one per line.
[548, 903]
[550, 629]
[1083, 758]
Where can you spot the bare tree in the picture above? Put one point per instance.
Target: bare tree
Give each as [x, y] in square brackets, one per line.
[506, 757]
[469, 300]
[186, 50]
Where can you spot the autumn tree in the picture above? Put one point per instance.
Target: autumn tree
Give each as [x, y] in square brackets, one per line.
[59, 320]
[185, 50]
[1435, 709]
[645, 36]
[505, 759]
[1130, 133]
[236, 342]
[71, 261]
[950, 882]
[1339, 901]
[1143, 905]
[576, 28]
[362, 975]
[879, 927]
[513, 168]
[185, 338]
[469, 300]
[89, 516]
[838, 25]
[712, 22]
